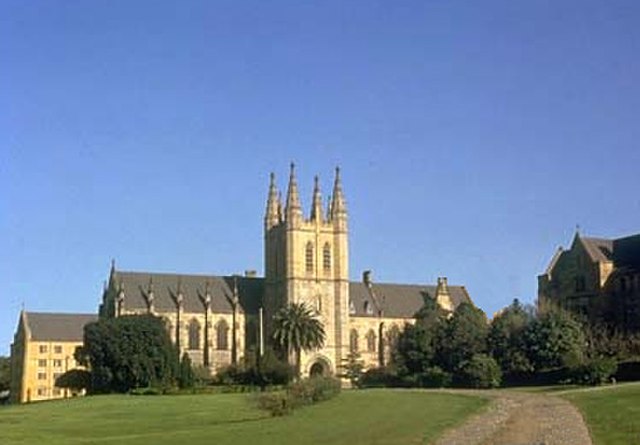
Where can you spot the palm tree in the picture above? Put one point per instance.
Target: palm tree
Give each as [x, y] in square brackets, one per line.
[296, 329]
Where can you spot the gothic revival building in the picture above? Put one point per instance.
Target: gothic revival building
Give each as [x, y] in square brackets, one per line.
[216, 319]
[596, 277]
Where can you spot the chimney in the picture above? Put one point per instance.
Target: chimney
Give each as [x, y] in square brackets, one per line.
[366, 278]
[442, 294]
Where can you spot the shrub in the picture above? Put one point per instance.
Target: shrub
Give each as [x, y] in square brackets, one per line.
[434, 377]
[481, 371]
[146, 391]
[74, 379]
[277, 403]
[595, 371]
[382, 377]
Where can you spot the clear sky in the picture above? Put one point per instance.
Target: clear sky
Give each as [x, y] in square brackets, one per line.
[473, 137]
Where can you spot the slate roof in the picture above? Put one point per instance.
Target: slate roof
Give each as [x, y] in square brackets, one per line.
[599, 249]
[221, 288]
[57, 327]
[398, 300]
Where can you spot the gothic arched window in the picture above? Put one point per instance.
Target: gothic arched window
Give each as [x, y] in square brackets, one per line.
[194, 334]
[353, 340]
[222, 335]
[371, 341]
[326, 257]
[308, 257]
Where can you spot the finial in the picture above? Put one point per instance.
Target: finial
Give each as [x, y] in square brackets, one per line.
[113, 264]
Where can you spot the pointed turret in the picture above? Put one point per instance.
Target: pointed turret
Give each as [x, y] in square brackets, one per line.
[280, 207]
[293, 211]
[338, 203]
[271, 215]
[316, 206]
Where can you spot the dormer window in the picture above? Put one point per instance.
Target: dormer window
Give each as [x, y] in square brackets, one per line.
[367, 308]
[352, 308]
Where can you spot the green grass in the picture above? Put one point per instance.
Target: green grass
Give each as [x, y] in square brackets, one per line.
[612, 412]
[355, 417]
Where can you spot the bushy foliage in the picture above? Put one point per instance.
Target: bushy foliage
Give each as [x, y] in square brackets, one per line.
[300, 393]
[434, 377]
[262, 371]
[381, 377]
[5, 373]
[353, 368]
[507, 341]
[463, 336]
[481, 371]
[75, 380]
[555, 339]
[186, 377]
[128, 352]
[595, 371]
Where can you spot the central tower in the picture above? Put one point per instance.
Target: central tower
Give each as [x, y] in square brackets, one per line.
[307, 261]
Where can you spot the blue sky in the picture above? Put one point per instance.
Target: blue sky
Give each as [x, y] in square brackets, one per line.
[473, 137]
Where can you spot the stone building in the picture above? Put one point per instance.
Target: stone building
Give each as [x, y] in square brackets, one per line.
[596, 277]
[42, 350]
[215, 319]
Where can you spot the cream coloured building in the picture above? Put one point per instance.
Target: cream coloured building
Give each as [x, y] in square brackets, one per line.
[42, 350]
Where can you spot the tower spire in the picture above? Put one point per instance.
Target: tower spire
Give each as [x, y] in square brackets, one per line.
[294, 209]
[271, 214]
[316, 206]
[338, 203]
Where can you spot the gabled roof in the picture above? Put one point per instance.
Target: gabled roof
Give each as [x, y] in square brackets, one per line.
[221, 290]
[57, 327]
[398, 300]
[599, 249]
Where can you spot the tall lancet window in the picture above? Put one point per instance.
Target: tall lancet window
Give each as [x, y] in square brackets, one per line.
[353, 340]
[326, 257]
[308, 257]
[222, 335]
[194, 334]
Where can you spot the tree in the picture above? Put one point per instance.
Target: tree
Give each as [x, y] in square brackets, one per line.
[5, 373]
[481, 371]
[75, 380]
[416, 345]
[353, 367]
[555, 339]
[128, 352]
[296, 329]
[506, 339]
[463, 336]
[186, 376]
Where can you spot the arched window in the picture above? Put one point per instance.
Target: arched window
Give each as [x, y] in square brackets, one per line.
[308, 257]
[222, 335]
[353, 340]
[392, 335]
[371, 341]
[326, 257]
[194, 334]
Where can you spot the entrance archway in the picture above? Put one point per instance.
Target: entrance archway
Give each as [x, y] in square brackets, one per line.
[320, 368]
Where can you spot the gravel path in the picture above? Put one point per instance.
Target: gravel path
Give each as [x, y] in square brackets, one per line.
[521, 419]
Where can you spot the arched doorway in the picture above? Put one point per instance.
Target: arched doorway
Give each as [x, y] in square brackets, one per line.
[320, 368]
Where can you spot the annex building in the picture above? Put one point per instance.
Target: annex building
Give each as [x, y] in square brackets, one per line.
[596, 277]
[217, 319]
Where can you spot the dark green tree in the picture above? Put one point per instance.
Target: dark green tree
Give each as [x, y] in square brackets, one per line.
[463, 336]
[506, 340]
[186, 376]
[5, 373]
[128, 352]
[555, 339]
[480, 371]
[75, 380]
[296, 329]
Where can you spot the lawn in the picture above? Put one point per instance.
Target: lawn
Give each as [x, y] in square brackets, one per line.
[355, 417]
[612, 412]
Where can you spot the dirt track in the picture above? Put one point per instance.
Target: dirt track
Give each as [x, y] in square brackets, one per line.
[515, 418]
